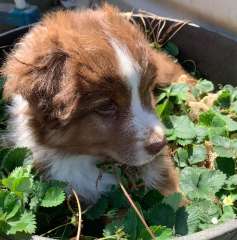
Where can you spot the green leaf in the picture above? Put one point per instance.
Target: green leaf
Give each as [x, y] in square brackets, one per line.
[181, 157]
[230, 124]
[9, 204]
[211, 119]
[161, 214]
[181, 221]
[226, 165]
[234, 106]
[54, 196]
[26, 223]
[15, 158]
[183, 127]
[201, 133]
[19, 172]
[180, 91]
[224, 147]
[201, 212]
[23, 184]
[129, 224]
[184, 142]
[117, 199]
[164, 109]
[200, 183]
[151, 198]
[202, 87]
[173, 200]
[98, 209]
[199, 154]
[231, 183]
[115, 231]
[228, 213]
[162, 233]
[20, 182]
[224, 99]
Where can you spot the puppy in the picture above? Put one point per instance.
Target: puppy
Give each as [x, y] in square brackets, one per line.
[80, 84]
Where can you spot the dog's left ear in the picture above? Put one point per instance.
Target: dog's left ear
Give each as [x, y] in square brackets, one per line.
[168, 71]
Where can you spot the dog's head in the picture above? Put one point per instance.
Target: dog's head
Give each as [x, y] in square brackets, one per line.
[89, 78]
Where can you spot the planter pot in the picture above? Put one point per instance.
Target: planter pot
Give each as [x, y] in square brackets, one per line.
[215, 56]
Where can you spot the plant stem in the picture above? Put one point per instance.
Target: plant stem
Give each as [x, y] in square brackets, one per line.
[56, 228]
[137, 211]
[79, 215]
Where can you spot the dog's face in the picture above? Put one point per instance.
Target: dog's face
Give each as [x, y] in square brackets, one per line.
[89, 79]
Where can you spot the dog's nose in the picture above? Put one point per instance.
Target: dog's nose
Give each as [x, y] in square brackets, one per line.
[155, 143]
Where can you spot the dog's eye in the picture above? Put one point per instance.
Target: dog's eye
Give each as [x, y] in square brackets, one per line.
[106, 108]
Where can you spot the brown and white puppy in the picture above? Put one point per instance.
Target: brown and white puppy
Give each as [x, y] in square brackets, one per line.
[81, 86]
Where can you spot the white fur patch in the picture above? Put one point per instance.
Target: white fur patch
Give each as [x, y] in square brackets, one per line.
[143, 121]
[79, 170]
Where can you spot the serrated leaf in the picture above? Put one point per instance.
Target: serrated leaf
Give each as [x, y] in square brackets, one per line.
[15, 158]
[200, 183]
[228, 213]
[226, 165]
[181, 157]
[180, 91]
[231, 125]
[9, 204]
[165, 108]
[184, 142]
[224, 99]
[224, 147]
[231, 183]
[199, 154]
[183, 127]
[98, 209]
[201, 133]
[117, 199]
[201, 212]
[202, 87]
[161, 232]
[19, 172]
[129, 224]
[181, 225]
[173, 200]
[53, 197]
[161, 214]
[114, 231]
[19, 181]
[26, 223]
[211, 119]
[151, 198]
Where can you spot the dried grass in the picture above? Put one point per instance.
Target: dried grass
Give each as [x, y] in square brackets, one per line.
[157, 29]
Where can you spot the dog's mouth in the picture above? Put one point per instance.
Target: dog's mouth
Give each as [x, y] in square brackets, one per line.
[132, 162]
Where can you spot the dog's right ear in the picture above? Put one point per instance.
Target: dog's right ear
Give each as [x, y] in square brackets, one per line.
[44, 83]
[168, 71]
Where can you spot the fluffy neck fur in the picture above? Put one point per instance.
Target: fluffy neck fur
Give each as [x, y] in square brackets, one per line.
[80, 170]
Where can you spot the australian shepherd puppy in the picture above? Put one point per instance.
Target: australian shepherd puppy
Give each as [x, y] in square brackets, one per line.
[80, 87]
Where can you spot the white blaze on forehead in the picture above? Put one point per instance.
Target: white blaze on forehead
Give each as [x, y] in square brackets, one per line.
[143, 120]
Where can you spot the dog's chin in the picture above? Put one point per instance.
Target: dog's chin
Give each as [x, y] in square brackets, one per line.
[142, 162]
[140, 158]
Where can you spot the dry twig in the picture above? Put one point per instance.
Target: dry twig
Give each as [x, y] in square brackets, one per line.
[156, 27]
[137, 211]
[79, 215]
